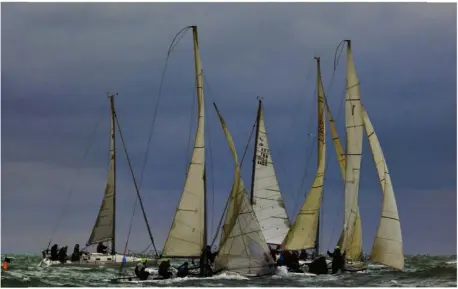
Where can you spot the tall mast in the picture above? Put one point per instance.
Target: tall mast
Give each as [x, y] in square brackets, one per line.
[200, 96]
[253, 171]
[318, 83]
[113, 157]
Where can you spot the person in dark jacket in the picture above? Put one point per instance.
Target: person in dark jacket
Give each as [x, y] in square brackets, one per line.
[62, 255]
[303, 256]
[318, 266]
[140, 271]
[164, 269]
[338, 260]
[54, 252]
[183, 270]
[101, 248]
[76, 253]
[273, 253]
[293, 263]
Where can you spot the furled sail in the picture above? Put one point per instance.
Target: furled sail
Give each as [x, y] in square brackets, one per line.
[104, 228]
[354, 140]
[186, 236]
[267, 201]
[243, 248]
[303, 232]
[357, 237]
[387, 249]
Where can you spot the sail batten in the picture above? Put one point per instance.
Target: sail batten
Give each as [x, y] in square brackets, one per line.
[267, 201]
[388, 246]
[354, 140]
[243, 248]
[304, 231]
[104, 227]
[186, 235]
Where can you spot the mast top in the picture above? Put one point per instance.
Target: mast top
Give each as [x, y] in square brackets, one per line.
[111, 94]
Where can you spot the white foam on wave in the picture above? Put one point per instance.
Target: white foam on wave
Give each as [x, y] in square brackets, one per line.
[225, 276]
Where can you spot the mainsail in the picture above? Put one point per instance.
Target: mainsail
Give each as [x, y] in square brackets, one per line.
[266, 198]
[356, 244]
[387, 249]
[303, 233]
[104, 228]
[243, 248]
[186, 236]
[354, 140]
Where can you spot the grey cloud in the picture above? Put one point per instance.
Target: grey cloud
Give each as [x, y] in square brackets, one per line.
[60, 59]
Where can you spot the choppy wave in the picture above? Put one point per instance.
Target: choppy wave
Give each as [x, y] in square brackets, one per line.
[437, 271]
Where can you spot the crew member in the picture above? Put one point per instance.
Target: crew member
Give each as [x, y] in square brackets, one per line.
[338, 260]
[140, 271]
[164, 269]
[101, 248]
[183, 270]
[318, 266]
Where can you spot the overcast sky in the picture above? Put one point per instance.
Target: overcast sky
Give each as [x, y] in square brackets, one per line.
[59, 60]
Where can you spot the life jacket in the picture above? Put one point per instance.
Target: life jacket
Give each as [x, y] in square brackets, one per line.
[5, 265]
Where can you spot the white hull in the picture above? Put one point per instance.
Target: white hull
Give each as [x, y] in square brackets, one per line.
[302, 262]
[93, 259]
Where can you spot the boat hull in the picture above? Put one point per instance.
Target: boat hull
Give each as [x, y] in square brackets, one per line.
[355, 266]
[94, 260]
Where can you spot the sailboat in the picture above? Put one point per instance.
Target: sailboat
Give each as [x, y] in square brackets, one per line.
[387, 248]
[187, 237]
[265, 197]
[304, 233]
[243, 248]
[104, 228]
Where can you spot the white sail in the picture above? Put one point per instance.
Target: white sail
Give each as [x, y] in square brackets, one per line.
[186, 236]
[303, 233]
[243, 248]
[356, 244]
[387, 249]
[267, 202]
[104, 227]
[354, 141]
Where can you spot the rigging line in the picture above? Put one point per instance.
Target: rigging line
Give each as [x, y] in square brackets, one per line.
[161, 85]
[336, 62]
[150, 136]
[135, 181]
[78, 172]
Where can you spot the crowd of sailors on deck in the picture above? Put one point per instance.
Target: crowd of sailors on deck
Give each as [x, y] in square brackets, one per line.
[60, 254]
[290, 259]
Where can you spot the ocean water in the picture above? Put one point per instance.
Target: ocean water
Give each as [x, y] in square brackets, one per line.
[420, 271]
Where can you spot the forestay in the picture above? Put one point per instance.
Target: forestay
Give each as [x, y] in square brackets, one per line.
[243, 248]
[268, 203]
[388, 248]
